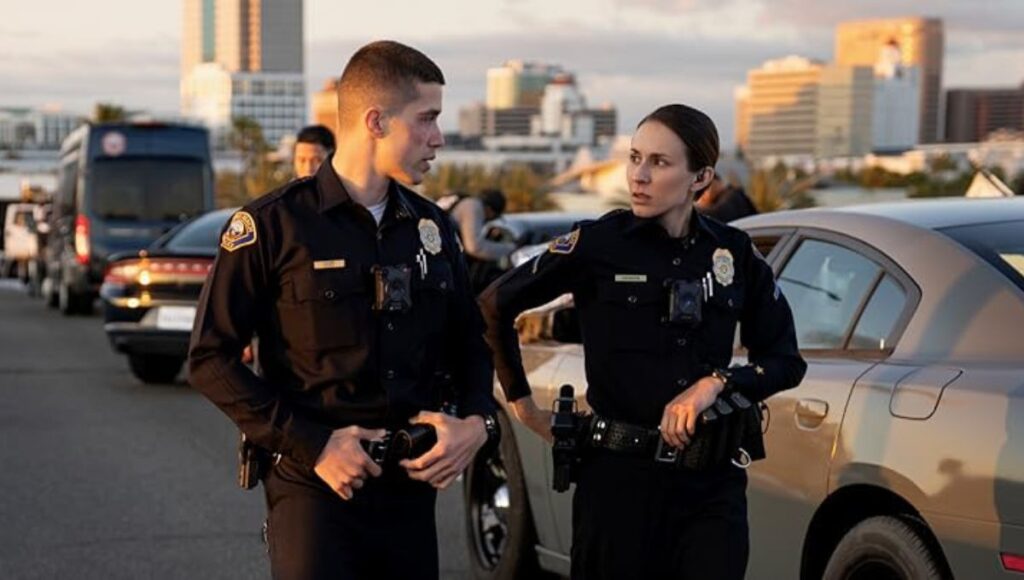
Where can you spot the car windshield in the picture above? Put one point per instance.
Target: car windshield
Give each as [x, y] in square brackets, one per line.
[1000, 244]
[146, 189]
[201, 235]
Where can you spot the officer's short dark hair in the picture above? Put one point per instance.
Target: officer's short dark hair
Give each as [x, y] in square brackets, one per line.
[694, 129]
[494, 199]
[317, 135]
[384, 72]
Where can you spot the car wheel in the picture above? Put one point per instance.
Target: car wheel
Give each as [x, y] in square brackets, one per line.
[884, 548]
[155, 369]
[71, 303]
[499, 527]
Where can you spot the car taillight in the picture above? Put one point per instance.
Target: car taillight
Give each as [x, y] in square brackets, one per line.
[1013, 562]
[121, 272]
[82, 239]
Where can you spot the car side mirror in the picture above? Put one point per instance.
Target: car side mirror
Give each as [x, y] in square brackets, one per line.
[565, 326]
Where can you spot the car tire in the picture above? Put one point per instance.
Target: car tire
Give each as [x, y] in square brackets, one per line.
[884, 548]
[499, 526]
[155, 369]
[71, 303]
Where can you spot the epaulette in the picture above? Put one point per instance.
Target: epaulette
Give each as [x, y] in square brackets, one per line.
[278, 193]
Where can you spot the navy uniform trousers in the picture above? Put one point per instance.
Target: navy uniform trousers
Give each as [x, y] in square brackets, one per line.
[633, 518]
[386, 531]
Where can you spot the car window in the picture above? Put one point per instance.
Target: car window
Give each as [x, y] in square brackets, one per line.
[147, 189]
[1000, 244]
[765, 244]
[825, 284]
[880, 316]
[202, 234]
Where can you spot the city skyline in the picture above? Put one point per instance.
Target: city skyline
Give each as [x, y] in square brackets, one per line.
[636, 55]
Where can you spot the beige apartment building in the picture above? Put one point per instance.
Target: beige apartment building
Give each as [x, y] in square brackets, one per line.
[920, 42]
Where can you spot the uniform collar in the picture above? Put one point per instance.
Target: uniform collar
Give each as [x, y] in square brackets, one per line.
[699, 227]
[332, 192]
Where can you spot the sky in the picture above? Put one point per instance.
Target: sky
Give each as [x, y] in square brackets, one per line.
[635, 54]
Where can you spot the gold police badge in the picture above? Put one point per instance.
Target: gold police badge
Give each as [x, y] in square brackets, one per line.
[430, 236]
[240, 233]
[722, 266]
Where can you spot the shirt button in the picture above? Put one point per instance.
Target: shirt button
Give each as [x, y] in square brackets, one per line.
[444, 285]
[676, 261]
[631, 299]
[380, 236]
[681, 382]
[389, 374]
[329, 294]
[391, 326]
[681, 341]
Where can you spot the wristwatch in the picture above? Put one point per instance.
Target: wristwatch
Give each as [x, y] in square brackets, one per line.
[491, 427]
[722, 375]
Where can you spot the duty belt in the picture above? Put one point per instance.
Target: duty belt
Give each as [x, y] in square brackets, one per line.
[640, 441]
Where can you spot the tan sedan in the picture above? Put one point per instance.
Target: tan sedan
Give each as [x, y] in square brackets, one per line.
[901, 455]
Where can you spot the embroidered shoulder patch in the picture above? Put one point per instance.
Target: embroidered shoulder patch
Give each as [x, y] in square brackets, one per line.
[565, 243]
[241, 232]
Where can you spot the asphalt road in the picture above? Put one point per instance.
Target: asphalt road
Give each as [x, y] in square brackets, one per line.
[104, 477]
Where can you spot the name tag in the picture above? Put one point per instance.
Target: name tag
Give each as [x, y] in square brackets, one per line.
[631, 277]
[328, 264]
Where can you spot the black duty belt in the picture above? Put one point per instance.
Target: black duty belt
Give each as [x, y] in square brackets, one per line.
[637, 440]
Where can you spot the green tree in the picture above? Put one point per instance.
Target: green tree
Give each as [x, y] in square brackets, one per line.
[110, 113]
[522, 185]
[259, 175]
[1017, 185]
[774, 189]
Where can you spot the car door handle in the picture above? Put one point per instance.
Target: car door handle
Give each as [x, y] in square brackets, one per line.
[810, 413]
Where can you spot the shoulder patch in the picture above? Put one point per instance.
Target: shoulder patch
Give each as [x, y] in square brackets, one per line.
[240, 233]
[565, 243]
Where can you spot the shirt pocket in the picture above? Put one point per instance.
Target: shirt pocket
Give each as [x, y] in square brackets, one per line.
[633, 313]
[329, 309]
[434, 292]
[721, 314]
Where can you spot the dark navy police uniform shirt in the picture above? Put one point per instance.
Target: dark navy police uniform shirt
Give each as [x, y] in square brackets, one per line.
[636, 360]
[294, 268]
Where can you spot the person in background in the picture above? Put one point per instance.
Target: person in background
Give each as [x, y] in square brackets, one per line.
[312, 146]
[470, 213]
[725, 202]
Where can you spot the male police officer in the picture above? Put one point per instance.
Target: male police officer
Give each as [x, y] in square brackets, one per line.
[359, 294]
[313, 144]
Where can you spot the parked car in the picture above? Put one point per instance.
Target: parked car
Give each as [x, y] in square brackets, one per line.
[528, 230]
[901, 454]
[149, 297]
[120, 187]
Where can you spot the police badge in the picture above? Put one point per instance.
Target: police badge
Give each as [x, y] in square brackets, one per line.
[722, 266]
[430, 236]
[240, 233]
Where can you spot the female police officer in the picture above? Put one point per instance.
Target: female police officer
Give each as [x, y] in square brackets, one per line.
[652, 369]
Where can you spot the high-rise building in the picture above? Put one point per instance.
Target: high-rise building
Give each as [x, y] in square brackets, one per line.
[325, 105]
[518, 84]
[244, 58]
[800, 107]
[896, 119]
[973, 114]
[920, 42]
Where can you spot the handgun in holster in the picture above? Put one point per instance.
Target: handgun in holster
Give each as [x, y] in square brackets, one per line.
[254, 463]
[566, 427]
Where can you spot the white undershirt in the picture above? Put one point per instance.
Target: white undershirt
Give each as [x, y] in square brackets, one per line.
[378, 210]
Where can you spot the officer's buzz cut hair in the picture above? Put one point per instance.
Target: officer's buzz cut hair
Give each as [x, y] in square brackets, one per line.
[383, 73]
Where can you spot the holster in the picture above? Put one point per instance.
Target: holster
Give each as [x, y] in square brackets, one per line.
[254, 463]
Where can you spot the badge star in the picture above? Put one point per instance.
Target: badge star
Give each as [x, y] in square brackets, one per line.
[759, 370]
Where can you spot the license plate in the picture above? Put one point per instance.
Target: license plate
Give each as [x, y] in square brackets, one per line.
[176, 317]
